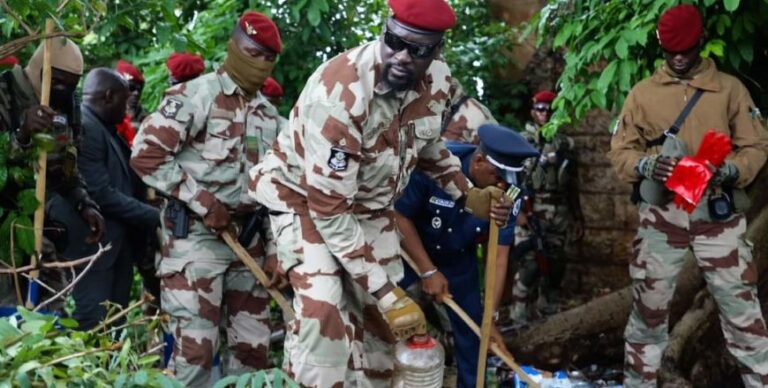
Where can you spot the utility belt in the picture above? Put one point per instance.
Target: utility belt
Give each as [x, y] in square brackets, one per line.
[248, 224]
[722, 201]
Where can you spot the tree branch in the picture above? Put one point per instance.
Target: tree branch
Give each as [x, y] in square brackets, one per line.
[16, 17]
[77, 279]
[53, 264]
[109, 348]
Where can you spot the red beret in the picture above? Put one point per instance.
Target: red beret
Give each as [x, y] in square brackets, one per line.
[430, 15]
[544, 96]
[680, 28]
[9, 61]
[261, 30]
[185, 66]
[129, 71]
[271, 88]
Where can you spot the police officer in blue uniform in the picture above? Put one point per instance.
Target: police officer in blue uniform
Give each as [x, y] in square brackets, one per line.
[441, 236]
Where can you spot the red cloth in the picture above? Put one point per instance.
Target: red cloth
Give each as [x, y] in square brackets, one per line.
[261, 30]
[430, 15]
[185, 66]
[9, 61]
[129, 71]
[126, 130]
[680, 28]
[691, 175]
[544, 96]
[272, 88]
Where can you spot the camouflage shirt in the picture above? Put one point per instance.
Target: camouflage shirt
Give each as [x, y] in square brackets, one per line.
[350, 148]
[201, 141]
[464, 117]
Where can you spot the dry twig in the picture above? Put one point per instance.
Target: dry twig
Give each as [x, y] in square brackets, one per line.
[71, 285]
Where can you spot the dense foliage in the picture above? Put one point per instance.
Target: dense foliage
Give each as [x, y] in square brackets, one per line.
[610, 45]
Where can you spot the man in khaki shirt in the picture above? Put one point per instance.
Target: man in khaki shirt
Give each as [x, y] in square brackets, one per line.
[666, 232]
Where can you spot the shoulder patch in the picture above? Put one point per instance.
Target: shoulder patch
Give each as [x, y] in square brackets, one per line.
[754, 112]
[441, 202]
[339, 159]
[513, 192]
[171, 108]
[516, 207]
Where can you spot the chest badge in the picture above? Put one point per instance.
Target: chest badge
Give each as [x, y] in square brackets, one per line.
[171, 108]
[442, 202]
[338, 160]
[437, 222]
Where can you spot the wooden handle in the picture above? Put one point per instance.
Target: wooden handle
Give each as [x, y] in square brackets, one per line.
[259, 273]
[42, 164]
[496, 349]
[488, 307]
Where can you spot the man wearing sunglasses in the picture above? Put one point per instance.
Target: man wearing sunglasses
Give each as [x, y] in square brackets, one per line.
[135, 80]
[442, 237]
[363, 122]
[196, 150]
[551, 189]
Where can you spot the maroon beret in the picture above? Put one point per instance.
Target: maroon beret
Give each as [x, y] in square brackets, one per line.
[185, 66]
[129, 71]
[9, 61]
[271, 88]
[430, 15]
[261, 30]
[680, 28]
[544, 96]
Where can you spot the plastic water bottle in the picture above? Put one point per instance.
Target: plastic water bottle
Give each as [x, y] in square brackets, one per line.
[419, 362]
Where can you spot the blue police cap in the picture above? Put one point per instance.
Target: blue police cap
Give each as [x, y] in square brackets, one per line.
[505, 148]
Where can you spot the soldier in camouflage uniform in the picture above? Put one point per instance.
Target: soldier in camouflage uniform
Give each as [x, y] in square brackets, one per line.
[197, 149]
[21, 113]
[273, 91]
[363, 122]
[551, 184]
[666, 232]
[464, 116]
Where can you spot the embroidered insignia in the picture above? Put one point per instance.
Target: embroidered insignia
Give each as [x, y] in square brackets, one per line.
[250, 30]
[516, 208]
[437, 222]
[754, 112]
[442, 202]
[512, 192]
[171, 108]
[339, 160]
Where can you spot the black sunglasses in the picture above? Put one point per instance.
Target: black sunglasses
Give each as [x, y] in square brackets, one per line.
[542, 109]
[398, 44]
[135, 87]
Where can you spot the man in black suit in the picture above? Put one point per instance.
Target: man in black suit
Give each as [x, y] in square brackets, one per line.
[103, 162]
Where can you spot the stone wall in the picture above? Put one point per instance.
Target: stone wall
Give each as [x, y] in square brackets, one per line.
[599, 260]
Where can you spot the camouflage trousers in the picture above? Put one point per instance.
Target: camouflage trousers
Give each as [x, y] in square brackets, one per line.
[549, 273]
[339, 337]
[725, 258]
[204, 295]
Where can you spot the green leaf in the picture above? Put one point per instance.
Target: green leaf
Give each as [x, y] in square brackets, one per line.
[25, 235]
[3, 176]
[242, 382]
[226, 381]
[731, 5]
[7, 330]
[622, 48]
[68, 323]
[607, 76]
[27, 201]
[313, 14]
[140, 378]
[746, 51]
